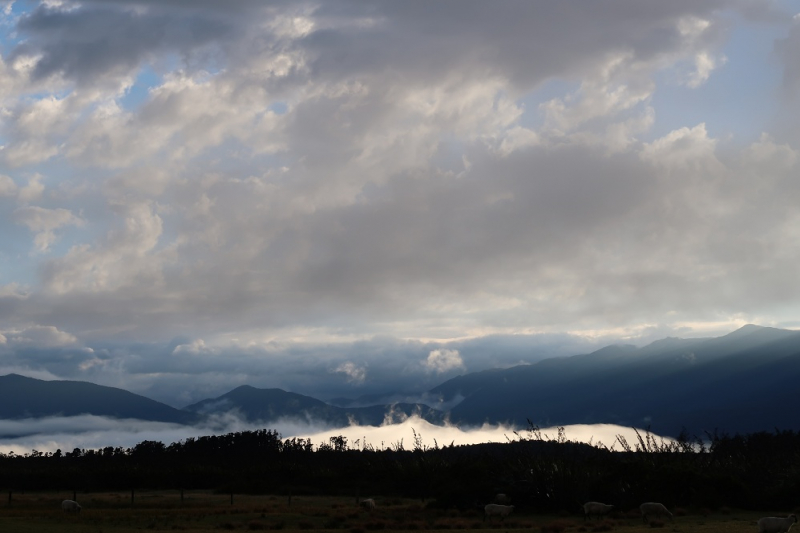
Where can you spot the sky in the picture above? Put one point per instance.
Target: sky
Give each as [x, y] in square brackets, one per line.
[348, 197]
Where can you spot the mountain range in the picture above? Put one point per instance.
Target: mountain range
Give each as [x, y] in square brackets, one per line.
[742, 382]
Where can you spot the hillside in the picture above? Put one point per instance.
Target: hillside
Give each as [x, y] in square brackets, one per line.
[741, 382]
[24, 397]
[266, 405]
[738, 383]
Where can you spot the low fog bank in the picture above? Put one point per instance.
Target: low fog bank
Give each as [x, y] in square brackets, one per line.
[95, 432]
[390, 436]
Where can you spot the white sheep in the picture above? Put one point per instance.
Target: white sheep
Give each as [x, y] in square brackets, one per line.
[368, 504]
[773, 524]
[653, 508]
[69, 506]
[493, 509]
[502, 499]
[595, 509]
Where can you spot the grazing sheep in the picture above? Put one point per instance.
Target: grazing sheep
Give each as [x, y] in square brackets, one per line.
[502, 499]
[652, 508]
[368, 504]
[495, 509]
[69, 506]
[773, 524]
[595, 509]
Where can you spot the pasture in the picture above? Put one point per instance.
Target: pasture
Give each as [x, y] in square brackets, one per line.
[112, 512]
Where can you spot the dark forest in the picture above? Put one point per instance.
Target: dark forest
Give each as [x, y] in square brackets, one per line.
[753, 471]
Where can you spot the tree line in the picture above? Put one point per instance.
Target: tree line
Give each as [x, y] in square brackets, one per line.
[752, 471]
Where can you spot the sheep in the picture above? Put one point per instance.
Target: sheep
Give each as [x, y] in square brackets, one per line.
[595, 509]
[368, 504]
[496, 509]
[773, 524]
[69, 506]
[502, 499]
[652, 508]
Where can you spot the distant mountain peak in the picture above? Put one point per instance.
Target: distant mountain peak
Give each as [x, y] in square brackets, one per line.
[747, 329]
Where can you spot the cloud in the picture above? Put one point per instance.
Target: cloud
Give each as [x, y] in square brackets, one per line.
[7, 186]
[441, 361]
[44, 222]
[39, 337]
[92, 432]
[354, 373]
[33, 190]
[291, 188]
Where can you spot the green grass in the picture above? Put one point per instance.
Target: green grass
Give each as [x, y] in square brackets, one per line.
[206, 511]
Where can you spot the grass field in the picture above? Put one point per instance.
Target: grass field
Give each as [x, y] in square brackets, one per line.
[205, 511]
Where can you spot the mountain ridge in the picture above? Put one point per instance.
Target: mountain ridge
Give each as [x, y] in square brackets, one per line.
[739, 382]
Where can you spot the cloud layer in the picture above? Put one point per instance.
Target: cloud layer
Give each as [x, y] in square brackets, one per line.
[206, 195]
[92, 432]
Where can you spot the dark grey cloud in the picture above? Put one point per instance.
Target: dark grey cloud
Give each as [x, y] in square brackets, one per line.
[89, 42]
[526, 42]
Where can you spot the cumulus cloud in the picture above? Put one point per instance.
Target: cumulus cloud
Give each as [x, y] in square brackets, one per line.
[7, 186]
[441, 361]
[39, 337]
[354, 373]
[33, 190]
[44, 222]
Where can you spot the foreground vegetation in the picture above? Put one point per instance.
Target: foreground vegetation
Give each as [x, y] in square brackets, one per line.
[207, 511]
[759, 472]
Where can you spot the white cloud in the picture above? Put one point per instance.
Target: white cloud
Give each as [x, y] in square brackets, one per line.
[682, 149]
[44, 222]
[195, 347]
[766, 151]
[619, 84]
[441, 361]
[127, 256]
[355, 373]
[7, 186]
[39, 337]
[33, 190]
[704, 64]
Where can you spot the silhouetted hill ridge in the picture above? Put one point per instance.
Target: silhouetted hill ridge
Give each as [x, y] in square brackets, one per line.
[698, 384]
[24, 397]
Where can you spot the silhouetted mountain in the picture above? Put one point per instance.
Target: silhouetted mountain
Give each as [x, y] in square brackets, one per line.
[272, 404]
[23, 397]
[742, 382]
